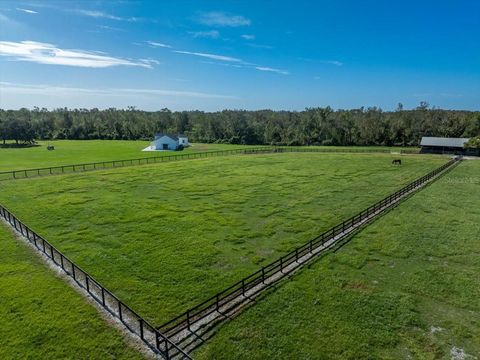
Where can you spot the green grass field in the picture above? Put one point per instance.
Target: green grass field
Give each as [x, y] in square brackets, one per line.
[406, 287]
[41, 317]
[164, 237]
[69, 152]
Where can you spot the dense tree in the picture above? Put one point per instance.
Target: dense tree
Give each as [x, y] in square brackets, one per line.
[473, 143]
[313, 126]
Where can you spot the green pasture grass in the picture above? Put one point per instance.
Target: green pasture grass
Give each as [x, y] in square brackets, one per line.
[165, 237]
[406, 287]
[41, 317]
[69, 152]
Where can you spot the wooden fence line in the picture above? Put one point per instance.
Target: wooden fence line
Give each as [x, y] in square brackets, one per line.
[113, 164]
[185, 320]
[152, 337]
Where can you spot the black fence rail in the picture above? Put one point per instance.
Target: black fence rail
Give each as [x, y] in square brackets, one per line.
[229, 296]
[152, 337]
[112, 164]
[361, 150]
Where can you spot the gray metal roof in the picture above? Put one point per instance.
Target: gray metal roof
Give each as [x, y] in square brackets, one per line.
[443, 142]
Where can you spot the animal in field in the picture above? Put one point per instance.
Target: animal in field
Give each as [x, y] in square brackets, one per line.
[397, 162]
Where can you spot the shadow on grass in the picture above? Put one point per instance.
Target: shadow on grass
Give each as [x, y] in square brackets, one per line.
[18, 146]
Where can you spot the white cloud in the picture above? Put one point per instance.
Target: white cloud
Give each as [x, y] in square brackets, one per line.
[212, 34]
[210, 56]
[157, 44]
[235, 65]
[221, 19]
[109, 28]
[28, 11]
[62, 91]
[232, 62]
[333, 62]
[104, 15]
[260, 46]
[44, 53]
[248, 37]
[266, 68]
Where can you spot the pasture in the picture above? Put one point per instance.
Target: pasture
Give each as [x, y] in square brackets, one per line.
[34, 320]
[405, 287]
[164, 237]
[68, 152]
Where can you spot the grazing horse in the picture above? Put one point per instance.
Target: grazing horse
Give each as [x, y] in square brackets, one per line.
[397, 162]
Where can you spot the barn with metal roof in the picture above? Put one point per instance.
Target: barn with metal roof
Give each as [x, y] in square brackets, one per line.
[441, 145]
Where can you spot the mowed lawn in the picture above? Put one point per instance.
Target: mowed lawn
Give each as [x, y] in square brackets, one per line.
[41, 317]
[68, 152]
[164, 237]
[406, 287]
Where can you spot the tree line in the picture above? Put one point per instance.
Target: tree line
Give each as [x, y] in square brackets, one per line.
[312, 126]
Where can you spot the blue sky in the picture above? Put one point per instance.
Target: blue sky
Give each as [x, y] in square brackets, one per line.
[212, 55]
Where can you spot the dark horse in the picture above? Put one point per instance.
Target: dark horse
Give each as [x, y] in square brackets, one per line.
[397, 162]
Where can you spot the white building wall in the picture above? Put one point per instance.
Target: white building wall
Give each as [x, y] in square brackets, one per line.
[171, 144]
[183, 141]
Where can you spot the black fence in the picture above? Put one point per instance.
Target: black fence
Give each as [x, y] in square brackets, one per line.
[112, 164]
[152, 337]
[229, 296]
[75, 168]
[359, 150]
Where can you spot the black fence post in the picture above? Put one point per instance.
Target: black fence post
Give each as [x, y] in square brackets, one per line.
[141, 327]
[120, 311]
[157, 340]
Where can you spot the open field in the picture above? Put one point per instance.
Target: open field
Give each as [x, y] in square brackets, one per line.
[69, 152]
[42, 317]
[407, 286]
[163, 237]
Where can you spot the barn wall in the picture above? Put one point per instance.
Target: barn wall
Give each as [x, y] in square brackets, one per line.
[183, 141]
[158, 143]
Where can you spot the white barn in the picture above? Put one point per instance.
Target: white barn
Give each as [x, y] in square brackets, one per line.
[169, 142]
